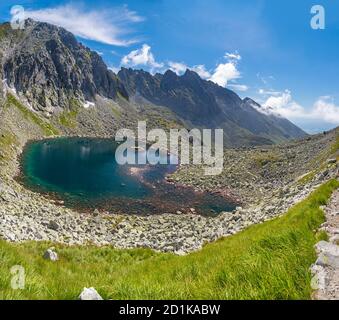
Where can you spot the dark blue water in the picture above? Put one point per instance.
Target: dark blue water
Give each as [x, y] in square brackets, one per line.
[85, 175]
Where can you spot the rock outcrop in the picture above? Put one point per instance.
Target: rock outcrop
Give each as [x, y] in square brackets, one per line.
[52, 70]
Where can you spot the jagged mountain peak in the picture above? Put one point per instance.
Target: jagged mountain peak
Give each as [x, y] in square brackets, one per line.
[204, 103]
[52, 69]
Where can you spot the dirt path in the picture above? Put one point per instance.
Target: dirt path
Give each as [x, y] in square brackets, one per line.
[326, 268]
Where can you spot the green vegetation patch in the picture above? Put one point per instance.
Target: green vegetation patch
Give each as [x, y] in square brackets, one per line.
[266, 261]
[7, 141]
[46, 127]
[307, 178]
[262, 159]
[68, 118]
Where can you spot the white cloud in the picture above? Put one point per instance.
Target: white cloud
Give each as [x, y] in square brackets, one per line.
[222, 75]
[225, 72]
[228, 71]
[232, 56]
[141, 57]
[238, 87]
[284, 105]
[201, 71]
[108, 26]
[326, 110]
[269, 92]
[177, 67]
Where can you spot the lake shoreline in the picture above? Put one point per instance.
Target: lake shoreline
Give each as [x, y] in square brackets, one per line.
[138, 172]
[28, 216]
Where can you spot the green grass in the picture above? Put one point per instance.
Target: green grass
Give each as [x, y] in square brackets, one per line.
[267, 261]
[68, 119]
[335, 146]
[46, 127]
[7, 141]
[4, 28]
[307, 178]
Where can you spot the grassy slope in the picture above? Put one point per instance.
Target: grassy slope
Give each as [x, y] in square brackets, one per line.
[267, 261]
[46, 127]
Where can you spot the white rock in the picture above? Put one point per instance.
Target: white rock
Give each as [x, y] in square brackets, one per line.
[90, 294]
[328, 254]
[326, 247]
[319, 280]
[50, 254]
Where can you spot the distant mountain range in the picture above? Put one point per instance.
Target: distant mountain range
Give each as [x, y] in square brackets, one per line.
[204, 103]
[52, 70]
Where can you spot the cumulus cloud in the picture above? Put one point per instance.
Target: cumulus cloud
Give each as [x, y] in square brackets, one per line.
[201, 71]
[177, 67]
[109, 26]
[141, 57]
[283, 104]
[325, 109]
[225, 72]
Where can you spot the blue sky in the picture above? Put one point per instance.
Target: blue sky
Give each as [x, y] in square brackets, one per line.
[263, 49]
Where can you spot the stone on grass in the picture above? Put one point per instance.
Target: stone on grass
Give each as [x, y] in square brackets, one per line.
[90, 294]
[51, 255]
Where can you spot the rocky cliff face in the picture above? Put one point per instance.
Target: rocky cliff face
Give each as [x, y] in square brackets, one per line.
[52, 69]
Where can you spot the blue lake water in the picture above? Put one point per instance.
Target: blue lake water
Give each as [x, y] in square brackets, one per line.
[84, 173]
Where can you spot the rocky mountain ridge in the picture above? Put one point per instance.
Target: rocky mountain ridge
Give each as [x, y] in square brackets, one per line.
[52, 72]
[52, 69]
[205, 104]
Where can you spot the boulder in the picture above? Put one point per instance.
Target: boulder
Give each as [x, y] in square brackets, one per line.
[328, 254]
